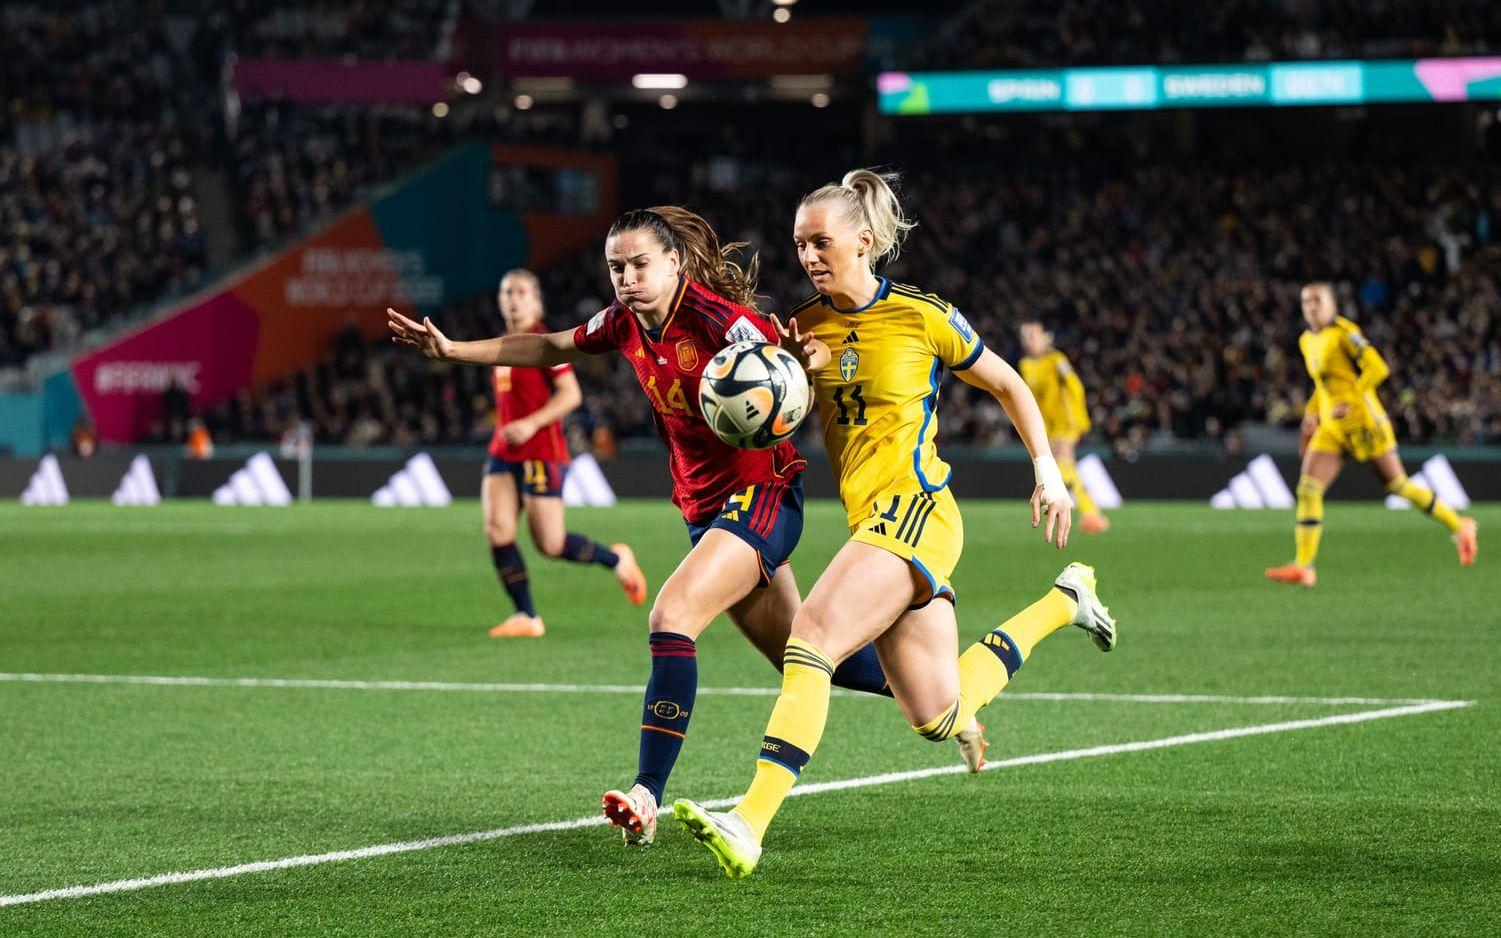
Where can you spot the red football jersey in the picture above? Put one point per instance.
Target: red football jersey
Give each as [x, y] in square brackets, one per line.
[519, 392]
[705, 469]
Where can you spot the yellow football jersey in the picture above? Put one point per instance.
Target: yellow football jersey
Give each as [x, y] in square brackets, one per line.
[878, 396]
[1333, 356]
[1059, 393]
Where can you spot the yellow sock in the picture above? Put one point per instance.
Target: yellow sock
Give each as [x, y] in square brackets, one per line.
[1310, 523]
[1420, 496]
[1085, 504]
[987, 666]
[792, 733]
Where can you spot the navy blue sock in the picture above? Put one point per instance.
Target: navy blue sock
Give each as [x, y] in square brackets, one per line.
[669, 703]
[862, 671]
[512, 572]
[581, 549]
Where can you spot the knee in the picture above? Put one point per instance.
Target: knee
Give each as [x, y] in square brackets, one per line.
[500, 532]
[550, 545]
[942, 727]
[812, 626]
[676, 613]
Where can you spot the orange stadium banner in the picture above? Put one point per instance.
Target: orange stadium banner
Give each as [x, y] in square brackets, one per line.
[443, 234]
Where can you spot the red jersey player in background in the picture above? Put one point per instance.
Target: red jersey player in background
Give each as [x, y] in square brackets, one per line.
[527, 461]
[679, 300]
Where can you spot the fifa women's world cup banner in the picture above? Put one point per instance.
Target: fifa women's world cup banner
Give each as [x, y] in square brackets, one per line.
[699, 49]
[445, 233]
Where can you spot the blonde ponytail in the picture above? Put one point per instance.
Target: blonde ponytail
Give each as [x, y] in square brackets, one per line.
[867, 200]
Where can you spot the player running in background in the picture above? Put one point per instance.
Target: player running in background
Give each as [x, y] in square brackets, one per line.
[877, 395]
[679, 300]
[1345, 418]
[528, 458]
[1065, 415]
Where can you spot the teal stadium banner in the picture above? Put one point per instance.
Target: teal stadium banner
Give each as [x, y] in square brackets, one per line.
[1161, 87]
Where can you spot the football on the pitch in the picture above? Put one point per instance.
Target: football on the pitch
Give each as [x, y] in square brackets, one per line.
[754, 395]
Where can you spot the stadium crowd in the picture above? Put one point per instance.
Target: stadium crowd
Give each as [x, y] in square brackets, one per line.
[1173, 289]
[1045, 33]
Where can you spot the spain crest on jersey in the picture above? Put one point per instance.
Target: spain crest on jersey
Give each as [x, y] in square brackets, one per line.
[687, 355]
[848, 362]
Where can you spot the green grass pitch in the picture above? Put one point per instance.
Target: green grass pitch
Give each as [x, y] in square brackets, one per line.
[1381, 826]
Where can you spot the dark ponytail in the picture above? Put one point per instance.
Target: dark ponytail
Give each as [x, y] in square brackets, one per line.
[702, 257]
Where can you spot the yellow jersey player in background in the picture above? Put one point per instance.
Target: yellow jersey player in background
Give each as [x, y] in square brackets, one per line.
[875, 351]
[1345, 418]
[1060, 396]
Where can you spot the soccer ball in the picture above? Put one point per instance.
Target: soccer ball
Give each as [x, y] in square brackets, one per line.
[754, 395]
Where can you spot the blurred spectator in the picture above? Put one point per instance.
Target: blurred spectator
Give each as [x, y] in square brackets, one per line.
[83, 441]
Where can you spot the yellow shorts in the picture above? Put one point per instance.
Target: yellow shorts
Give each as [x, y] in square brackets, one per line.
[1361, 438]
[922, 528]
[1060, 430]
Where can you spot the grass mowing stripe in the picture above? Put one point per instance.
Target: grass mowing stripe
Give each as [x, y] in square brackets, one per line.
[409, 846]
[167, 680]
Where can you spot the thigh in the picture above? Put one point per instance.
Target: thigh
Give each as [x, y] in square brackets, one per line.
[1322, 464]
[920, 655]
[499, 501]
[544, 517]
[717, 573]
[1388, 466]
[1062, 446]
[765, 616]
[864, 590]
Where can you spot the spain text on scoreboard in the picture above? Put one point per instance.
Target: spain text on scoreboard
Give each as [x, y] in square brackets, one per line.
[1152, 87]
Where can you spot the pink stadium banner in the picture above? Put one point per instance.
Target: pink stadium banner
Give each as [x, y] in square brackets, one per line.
[706, 49]
[337, 82]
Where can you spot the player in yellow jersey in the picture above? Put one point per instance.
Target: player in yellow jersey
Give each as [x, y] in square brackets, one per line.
[875, 351]
[1345, 418]
[1060, 396]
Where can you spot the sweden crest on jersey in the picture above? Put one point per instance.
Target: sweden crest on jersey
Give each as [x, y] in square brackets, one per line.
[848, 362]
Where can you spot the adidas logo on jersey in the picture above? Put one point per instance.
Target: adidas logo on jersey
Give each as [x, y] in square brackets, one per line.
[879, 529]
[851, 338]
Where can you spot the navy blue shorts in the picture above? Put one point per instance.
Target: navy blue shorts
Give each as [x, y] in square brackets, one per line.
[767, 516]
[541, 478]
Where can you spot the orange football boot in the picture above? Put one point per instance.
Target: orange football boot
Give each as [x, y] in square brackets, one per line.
[628, 572]
[520, 625]
[1094, 524]
[1293, 575]
[1467, 540]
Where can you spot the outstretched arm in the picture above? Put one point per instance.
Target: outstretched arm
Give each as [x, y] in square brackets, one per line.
[522, 351]
[990, 373]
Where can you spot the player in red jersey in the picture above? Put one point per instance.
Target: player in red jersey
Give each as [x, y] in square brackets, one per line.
[679, 300]
[527, 460]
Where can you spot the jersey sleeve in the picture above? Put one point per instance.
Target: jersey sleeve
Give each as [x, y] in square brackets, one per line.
[1353, 342]
[952, 337]
[598, 335]
[748, 326]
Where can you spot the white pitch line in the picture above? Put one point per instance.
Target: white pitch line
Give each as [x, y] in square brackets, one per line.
[453, 840]
[769, 691]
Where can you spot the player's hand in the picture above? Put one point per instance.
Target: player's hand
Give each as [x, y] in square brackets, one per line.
[811, 353]
[424, 336]
[518, 432]
[1058, 514]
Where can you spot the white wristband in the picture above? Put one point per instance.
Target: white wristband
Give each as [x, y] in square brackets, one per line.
[1045, 471]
